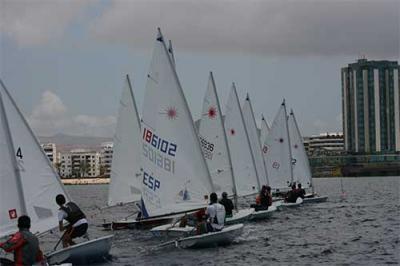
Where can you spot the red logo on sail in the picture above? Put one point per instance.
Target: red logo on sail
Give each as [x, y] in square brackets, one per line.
[232, 131]
[212, 112]
[12, 214]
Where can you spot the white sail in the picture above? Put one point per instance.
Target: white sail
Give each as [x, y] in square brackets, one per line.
[301, 165]
[243, 165]
[254, 138]
[264, 130]
[213, 141]
[276, 152]
[175, 174]
[11, 197]
[40, 182]
[126, 178]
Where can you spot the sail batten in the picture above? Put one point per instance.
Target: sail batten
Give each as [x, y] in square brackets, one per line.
[175, 175]
[126, 181]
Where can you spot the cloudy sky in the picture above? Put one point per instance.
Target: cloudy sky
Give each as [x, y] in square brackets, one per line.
[64, 61]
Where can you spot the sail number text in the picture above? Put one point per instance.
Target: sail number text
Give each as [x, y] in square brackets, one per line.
[160, 144]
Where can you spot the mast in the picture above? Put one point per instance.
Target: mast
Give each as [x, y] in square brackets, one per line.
[290, 145]
[133, 98]
[12, 150]
[235, 197]
[248, 141]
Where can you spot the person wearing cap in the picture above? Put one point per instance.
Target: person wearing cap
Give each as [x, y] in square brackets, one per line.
[215, 213]
[77, 223]
[228, 204]
[24, 245]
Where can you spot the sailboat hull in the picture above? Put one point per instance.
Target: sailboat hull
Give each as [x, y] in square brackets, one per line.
[224, 237]
[138, 224]
[83, 253]
[315, 199]
[240, 216]
[264, 214]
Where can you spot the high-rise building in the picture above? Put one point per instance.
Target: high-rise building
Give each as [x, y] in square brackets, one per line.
[370, 101]
[106, 158]
[80, 163]
[324, 143]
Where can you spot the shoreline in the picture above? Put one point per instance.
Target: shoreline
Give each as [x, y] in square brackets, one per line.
[85, 181]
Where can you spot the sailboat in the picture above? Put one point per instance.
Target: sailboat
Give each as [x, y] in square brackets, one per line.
[29, 185]
[126, 176]
[277, 154]
[301, 166]
[175, 175]
[243, 165]
[254, 139]
[216, 150]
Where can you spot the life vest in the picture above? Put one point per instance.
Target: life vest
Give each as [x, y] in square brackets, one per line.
[73, 212]
[258, 200]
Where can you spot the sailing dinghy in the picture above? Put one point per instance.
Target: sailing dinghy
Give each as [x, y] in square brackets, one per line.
[126, 176]
[29, 184]
[216, 151]
[301, 166]
[175, 174]
[277, 154]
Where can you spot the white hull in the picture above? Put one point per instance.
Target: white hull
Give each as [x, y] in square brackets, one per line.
[173, 230]
[224, 237]
[315, 199]
[264, 214]
[284, 205]
[83, 253]
[239, 216]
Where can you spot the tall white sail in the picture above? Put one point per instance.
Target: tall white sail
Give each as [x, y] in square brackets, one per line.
[40, 182]
[276, 152]
[301, 165]
[264, 130]
[175, 174]
[126, 177]
[213, 141]
[255, 145]
[243, 166]
[11, 197]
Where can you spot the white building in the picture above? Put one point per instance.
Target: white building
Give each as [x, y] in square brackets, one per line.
[80, 163]
[106, 158]
[324, 143]
[51, 151]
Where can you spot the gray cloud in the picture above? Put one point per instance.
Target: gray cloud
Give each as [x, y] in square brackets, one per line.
[51, 116]
[318, 27]
[31, 23]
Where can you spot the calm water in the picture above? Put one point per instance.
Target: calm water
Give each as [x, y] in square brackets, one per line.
[361, 229]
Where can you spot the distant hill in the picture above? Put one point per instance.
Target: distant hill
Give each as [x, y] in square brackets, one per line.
[69, 142]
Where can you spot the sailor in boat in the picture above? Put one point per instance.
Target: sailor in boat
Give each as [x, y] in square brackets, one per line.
[300, 191]
[292, 195]
[228, 204]
[24, 245]
[215, 213]
[77, 223]
[263, 200]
